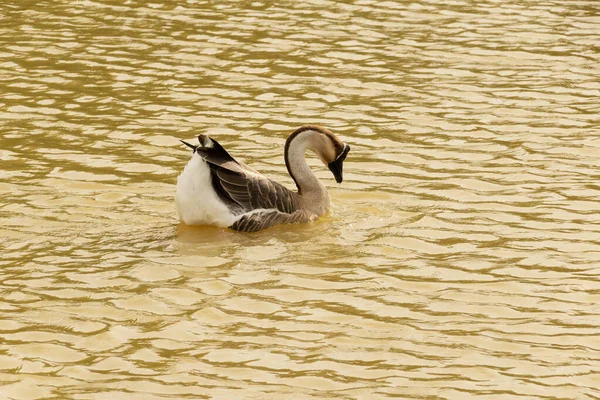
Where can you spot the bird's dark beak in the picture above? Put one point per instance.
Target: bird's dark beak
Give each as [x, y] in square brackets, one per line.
[337, 165]
[191, 146]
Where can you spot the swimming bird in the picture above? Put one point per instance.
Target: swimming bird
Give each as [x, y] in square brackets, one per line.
[216, 189]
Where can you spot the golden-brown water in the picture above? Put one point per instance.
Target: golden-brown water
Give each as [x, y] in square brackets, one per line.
[461, 258]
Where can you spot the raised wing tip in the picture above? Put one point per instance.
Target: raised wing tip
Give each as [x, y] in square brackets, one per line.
[205, 141]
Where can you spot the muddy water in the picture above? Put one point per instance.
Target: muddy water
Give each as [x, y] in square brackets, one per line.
[461, 256]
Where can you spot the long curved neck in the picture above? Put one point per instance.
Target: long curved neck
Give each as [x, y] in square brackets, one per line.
[306, 181]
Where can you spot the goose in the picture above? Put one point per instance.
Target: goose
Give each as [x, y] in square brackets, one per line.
[216, 189]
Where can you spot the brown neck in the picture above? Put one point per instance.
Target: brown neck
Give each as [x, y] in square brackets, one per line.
[295, 147]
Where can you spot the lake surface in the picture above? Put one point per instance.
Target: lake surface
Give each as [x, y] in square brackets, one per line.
[461, 258]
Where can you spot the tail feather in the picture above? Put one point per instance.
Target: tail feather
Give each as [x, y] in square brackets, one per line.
[191, 146]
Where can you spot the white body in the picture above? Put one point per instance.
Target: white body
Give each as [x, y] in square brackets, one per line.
[196, 200]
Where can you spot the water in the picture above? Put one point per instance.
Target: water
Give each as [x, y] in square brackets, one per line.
[460, 258]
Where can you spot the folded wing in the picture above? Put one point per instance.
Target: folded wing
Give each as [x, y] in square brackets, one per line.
[242, 188]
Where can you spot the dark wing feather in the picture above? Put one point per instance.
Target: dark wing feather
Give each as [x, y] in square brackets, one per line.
[242, 188]
[268, 194]
[260, 220]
